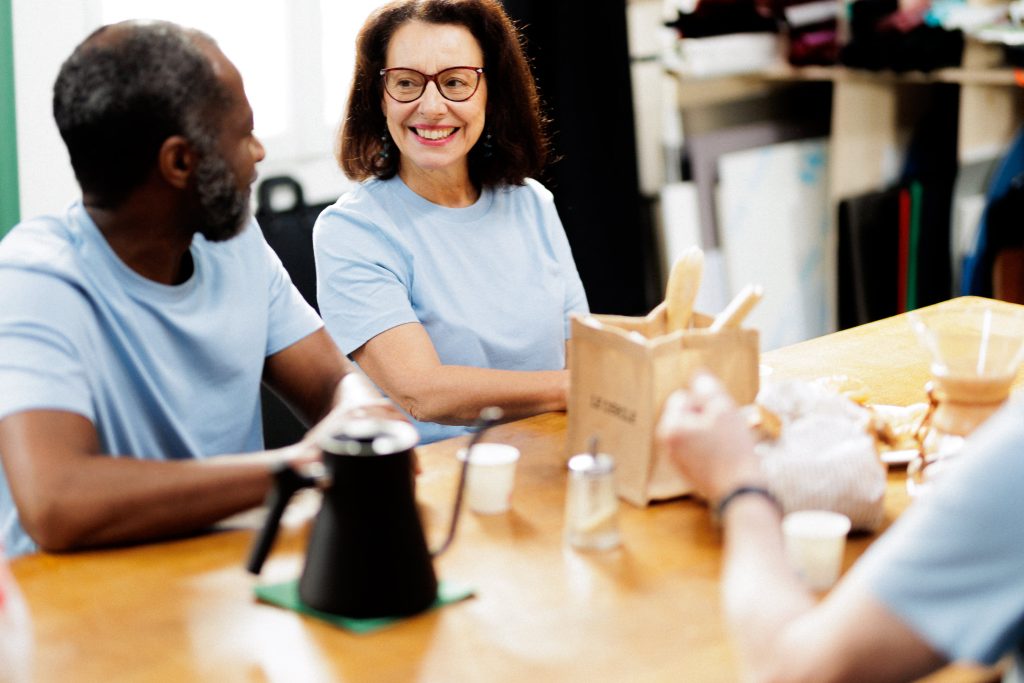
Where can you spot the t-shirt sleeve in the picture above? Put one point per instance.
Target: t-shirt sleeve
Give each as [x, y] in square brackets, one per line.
[41, 363]
[363, 278]
[952, 567]
[290, 317]
[575, 296]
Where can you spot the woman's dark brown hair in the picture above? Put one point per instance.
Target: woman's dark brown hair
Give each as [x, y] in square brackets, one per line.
[518, 142]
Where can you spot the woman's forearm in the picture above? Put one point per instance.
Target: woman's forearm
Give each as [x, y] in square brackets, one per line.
[455, 394]
[402, 361]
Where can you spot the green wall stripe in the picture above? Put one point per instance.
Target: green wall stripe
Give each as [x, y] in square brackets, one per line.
[9, 196]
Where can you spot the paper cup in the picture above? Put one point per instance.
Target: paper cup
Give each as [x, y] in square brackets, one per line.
[490, 478]
[815, 540]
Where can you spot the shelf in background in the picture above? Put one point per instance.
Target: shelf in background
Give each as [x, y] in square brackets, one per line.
[968, 76]
[708, 90]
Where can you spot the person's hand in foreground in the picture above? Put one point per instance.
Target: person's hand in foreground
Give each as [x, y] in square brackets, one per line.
[707, 437]
[781, 631]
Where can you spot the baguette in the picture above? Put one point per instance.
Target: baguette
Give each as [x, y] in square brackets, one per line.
[681, 291]
[737, 310]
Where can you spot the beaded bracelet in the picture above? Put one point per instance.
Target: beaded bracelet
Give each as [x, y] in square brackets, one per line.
[728, 498]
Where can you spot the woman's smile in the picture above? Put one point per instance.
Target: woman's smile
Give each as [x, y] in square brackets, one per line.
[434, 134]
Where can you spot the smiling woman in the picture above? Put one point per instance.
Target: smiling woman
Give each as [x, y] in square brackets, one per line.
[446, 274]
[433, 131]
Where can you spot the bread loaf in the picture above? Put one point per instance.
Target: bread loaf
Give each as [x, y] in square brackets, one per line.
[737, 310]
[683, 283]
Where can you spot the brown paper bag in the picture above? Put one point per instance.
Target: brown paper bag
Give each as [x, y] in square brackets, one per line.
[622, 370]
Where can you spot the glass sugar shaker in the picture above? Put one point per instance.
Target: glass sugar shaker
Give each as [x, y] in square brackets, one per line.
[591, 504]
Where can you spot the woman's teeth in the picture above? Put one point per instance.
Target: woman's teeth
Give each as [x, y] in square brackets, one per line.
[434, 133]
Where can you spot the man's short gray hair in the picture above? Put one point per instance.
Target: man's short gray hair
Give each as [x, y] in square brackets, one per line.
[126, 89]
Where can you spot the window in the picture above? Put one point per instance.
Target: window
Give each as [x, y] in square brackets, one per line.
[295, 56]
[341, 22]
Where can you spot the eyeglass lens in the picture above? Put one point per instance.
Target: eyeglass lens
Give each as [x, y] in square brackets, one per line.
[456, 84]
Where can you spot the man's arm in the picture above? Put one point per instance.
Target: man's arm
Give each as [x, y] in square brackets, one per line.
[315, 379]
[71, 495]
[306, 375]
[782, 633]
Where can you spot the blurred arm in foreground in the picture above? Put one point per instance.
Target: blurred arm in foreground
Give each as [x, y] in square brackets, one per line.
[942, 584]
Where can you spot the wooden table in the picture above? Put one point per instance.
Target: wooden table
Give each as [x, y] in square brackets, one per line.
[184, 610]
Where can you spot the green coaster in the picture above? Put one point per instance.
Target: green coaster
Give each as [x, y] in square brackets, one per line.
[287, 595]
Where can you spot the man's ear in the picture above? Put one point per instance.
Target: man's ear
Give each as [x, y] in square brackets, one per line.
[177, 161]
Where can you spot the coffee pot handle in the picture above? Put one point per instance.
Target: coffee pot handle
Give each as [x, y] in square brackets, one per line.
[287, 481]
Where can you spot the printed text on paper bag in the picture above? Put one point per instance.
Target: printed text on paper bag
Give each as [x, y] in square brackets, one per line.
[618, 410]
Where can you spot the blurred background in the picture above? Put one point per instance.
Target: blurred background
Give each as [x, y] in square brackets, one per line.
[857, 159]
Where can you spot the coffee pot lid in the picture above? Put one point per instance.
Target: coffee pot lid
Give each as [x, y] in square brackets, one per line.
[370, 436]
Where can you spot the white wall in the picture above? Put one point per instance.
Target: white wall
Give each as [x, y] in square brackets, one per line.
[45, 32]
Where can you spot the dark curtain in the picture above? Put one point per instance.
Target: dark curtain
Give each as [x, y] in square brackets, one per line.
[580, 57]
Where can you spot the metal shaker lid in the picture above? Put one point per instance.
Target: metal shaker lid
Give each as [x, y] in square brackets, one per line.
[590, 465]
[370, 436]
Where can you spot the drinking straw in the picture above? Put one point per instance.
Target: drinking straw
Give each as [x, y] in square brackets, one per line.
[986, 329]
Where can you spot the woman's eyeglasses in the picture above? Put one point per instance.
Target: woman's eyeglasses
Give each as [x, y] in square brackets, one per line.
[457, 83]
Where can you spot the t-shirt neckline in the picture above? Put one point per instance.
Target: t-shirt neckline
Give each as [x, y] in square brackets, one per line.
[465, 214]
[133, 282]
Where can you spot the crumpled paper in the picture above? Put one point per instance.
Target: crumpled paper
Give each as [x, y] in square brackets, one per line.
[824, 457]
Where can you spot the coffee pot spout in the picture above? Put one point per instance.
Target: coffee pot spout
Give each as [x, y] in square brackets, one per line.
[488, 418]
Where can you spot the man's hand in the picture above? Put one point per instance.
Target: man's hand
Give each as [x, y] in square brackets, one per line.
[706, 436]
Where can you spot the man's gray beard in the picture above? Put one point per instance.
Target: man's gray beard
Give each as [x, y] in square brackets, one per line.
[225, 208]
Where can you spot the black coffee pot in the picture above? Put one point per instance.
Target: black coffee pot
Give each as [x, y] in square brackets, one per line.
[367, 554]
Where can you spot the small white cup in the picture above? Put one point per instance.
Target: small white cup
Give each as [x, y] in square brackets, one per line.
[490, 478]
[815, 540]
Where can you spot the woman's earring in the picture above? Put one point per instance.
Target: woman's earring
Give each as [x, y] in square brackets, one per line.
[385, 147]
[488, 146]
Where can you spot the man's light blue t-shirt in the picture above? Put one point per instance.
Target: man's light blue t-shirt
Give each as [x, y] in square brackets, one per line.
[952, 566]
[493, 283]
[163, 372]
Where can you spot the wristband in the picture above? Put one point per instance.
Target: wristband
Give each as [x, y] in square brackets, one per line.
[744, 490]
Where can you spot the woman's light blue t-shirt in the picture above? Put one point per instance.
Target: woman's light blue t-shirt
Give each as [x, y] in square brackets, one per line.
[493, 283]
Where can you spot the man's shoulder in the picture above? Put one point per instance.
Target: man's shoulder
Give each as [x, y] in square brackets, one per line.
[38, 260]
[42, 245]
